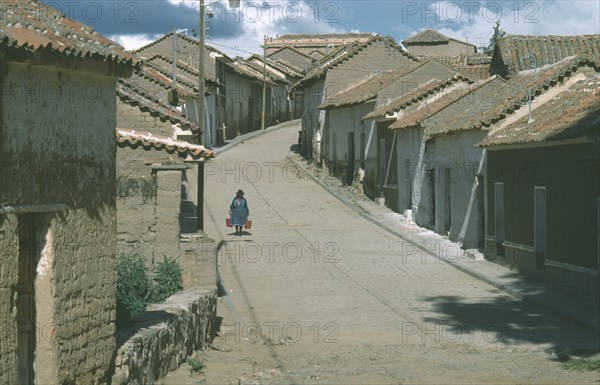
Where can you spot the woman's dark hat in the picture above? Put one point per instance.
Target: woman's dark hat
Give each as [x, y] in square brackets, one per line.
[239, 192]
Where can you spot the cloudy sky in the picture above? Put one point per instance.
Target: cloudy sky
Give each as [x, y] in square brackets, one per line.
[239, 32]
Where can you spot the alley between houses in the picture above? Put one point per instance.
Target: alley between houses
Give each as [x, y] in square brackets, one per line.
[316, 294]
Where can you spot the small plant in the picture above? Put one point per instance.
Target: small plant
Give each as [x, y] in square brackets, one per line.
[195, 366]
[582, 364]
[133, 286]
[167, 278]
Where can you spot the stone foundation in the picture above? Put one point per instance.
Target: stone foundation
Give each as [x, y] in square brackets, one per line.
[163, 336]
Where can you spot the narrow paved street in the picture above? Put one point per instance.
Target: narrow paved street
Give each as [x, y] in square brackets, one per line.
[318, 295]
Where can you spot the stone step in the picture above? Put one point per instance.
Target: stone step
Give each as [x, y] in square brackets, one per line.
[188, 224]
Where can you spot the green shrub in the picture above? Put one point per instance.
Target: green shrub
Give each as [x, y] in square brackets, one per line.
[195, 366]
[582, 364]
[133, 286]
[168, 280]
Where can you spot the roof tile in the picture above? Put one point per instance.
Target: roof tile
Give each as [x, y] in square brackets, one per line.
[32, 25]
[134, 139]
[568, 115]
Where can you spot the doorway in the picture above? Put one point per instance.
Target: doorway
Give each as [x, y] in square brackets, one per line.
[539, 226]
[36, 343]
[447, 203]
[351, 156]
[25, 303]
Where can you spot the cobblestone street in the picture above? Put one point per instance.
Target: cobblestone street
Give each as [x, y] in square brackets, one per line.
[317, 294]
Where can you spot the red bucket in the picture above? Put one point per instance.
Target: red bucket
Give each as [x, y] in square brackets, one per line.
[248, 224]
[228, 222]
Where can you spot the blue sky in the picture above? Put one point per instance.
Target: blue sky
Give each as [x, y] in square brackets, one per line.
[133, 23]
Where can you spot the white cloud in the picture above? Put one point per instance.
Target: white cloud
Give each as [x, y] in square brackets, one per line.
[262, 18]
[131, 42]
[547, 17]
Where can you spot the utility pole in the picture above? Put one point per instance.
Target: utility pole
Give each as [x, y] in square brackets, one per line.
[264, 93]
[201, 118]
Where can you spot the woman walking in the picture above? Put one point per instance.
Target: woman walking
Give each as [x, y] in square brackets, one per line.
[238, 210]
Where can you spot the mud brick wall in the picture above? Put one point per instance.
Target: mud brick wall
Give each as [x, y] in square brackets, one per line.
[58, 148]
[132, 117]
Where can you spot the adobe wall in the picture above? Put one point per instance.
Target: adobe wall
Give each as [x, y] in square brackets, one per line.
[57, 148]
[133, 118]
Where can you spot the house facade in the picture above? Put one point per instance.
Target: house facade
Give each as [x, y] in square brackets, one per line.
[350, 66]
[156, 200]
[160, 55]
[57, 204]
[368, 145]
[537, 222]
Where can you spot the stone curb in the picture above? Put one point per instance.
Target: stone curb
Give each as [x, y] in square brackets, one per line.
[588, 324]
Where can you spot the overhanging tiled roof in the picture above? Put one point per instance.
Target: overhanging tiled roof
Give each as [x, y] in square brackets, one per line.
[430, 36]
[277, 64]
[365, 90]
[34, 26]
[164, 81]
[347, 53]
[426, 110]
[134, 139]
[130, 93]
[517, 51]
[316, 39]
[291, 48]
[568, 115]
[243, 68]
[414, 96]
[186, 74]
[476, 66]
[163, 47]
[515, 93]
[271, 73]
[463, 60]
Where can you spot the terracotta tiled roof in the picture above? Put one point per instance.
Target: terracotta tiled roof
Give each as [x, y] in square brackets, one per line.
[243, 68]
[278, 65]
[426, 110]
[318, 39]
[463, 60]
[347, 53]
[514, 94]
[128, 92]
[164, 80]
[299, 72]
[290, 48]
[476, 66]
[32, 26]
[367, 89]
[568, 115]
[163, 47]
[414, 96]
[272, 74]
[512, 51]
[132, 138]
[430, 36]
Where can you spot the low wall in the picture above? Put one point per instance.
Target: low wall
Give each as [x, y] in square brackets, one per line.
[162, 337]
